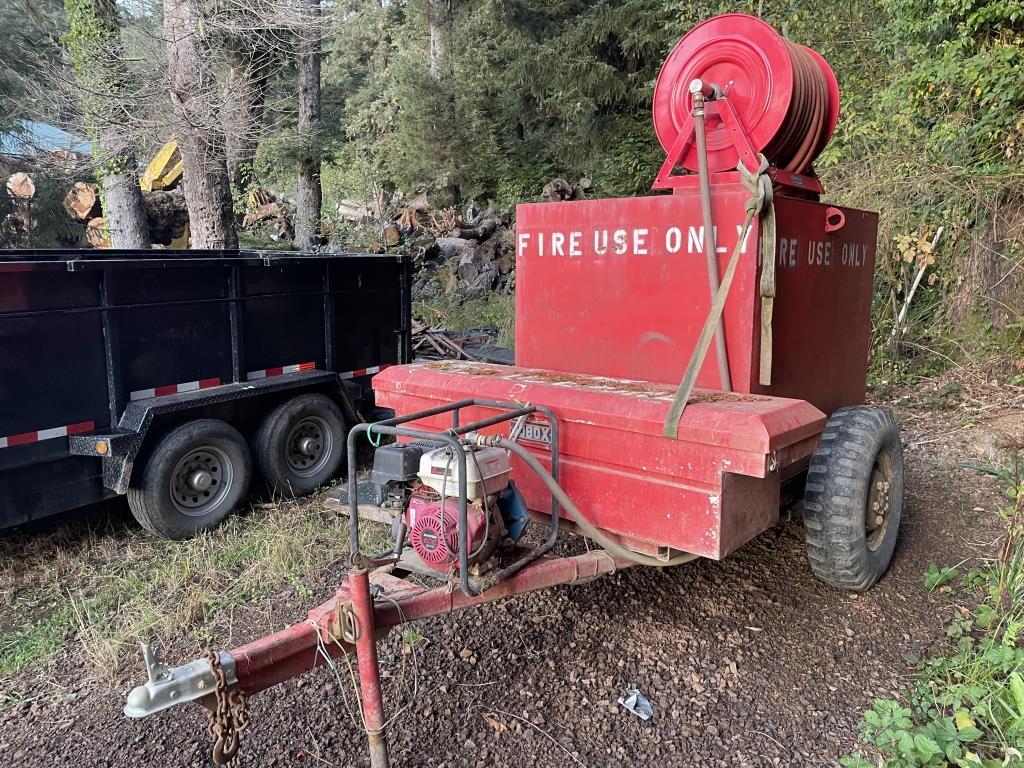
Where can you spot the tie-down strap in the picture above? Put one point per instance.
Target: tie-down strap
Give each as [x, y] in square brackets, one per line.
[760, 186]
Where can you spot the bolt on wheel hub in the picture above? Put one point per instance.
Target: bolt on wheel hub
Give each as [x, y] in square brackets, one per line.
[309, 446]
[879, 506]
[201, 481]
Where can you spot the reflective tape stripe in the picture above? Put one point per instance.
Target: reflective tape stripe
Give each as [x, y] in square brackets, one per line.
[364, 371]
[280, 371]
[26, 438]
[174, 389]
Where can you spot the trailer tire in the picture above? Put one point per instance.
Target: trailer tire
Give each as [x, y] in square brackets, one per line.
[194, 477]
[301, 445]
[854, 498]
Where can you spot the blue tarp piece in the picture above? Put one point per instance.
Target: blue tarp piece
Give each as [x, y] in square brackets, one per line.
[32, 138]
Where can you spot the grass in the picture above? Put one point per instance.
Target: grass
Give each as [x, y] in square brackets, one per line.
[94, 589]
[966, 707]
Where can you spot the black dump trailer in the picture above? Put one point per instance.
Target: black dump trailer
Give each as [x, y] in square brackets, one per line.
[184, 381]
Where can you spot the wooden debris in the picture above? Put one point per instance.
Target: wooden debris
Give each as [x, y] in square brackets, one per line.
[354, 210]
[261, 213]
[390, 235]
[96, 233]
[443, 222]
[21, 186]
[559, 189]
[419, 203]
[435, 343]
[82, 201]
[409, 221]
[483, 228]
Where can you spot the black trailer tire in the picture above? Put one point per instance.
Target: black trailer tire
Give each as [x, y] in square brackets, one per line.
[854, 498]
[194, 477]
[301, 445]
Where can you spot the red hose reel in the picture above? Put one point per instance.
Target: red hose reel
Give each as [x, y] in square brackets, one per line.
[771, 96]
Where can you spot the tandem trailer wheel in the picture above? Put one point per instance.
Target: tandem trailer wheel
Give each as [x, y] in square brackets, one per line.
[194, 477]
[854, 497]
[301, 445]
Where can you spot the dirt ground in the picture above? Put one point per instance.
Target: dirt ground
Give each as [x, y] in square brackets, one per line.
[748, 662]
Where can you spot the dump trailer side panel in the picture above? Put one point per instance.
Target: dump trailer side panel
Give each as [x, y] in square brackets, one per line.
[85, 334]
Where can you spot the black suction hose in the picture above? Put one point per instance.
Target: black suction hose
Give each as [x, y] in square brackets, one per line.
[563, 498]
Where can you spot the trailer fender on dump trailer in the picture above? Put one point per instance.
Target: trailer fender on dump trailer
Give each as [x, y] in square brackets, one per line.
[178, 379]
[680, 358]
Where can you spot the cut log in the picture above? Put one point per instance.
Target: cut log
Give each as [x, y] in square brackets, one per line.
[467, 268]
[21, 186]
[82, 201]
[483, 228]
[557, 190]
[353, 210]
[261, 213]
[96, 233]
[454, 247]
[390, 235]
[423, 246]
[409, 221]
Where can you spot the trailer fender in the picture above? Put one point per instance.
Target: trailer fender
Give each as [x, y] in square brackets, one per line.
[120, 447]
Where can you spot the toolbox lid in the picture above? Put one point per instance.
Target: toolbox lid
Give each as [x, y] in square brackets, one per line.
[746, 422]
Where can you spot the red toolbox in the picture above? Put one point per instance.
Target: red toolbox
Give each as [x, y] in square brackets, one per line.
[706, 493]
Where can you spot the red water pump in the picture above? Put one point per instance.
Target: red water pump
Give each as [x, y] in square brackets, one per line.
[420, 481]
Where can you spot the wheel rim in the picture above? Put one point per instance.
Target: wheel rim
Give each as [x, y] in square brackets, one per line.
[201, 480]
[880, 501]
[309, 446]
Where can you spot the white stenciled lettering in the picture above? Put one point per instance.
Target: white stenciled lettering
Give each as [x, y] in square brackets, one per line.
[574, 243]
[540, 243]
[819, 253]
[673, 239]
[601, 242]
[524, 239]
[557, 241]
[695, 241]
[640, 242]
[621, 241]
[854, 254]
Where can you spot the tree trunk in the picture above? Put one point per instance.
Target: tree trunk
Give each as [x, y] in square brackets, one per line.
[245, 93]
[439, 18]
[308, 193]
[993, 269]
[94, 44]
[122, 198]
[197, 126]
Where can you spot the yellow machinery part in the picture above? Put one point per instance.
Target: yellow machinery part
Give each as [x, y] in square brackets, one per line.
[164, 170]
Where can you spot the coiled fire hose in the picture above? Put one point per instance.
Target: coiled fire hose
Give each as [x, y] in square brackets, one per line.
[784, 95]
[805, 131]
[613, 547]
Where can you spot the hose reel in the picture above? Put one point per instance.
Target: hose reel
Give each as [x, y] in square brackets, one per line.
[766, 95]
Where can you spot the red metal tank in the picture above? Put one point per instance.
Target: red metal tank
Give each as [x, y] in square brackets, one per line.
[618, 287]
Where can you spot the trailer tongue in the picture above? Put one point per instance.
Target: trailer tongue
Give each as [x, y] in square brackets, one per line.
[739, 283]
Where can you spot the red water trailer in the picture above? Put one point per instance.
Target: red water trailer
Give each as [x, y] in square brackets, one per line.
[681, 359]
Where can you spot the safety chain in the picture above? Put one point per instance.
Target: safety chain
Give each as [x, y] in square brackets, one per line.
[228, 717]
